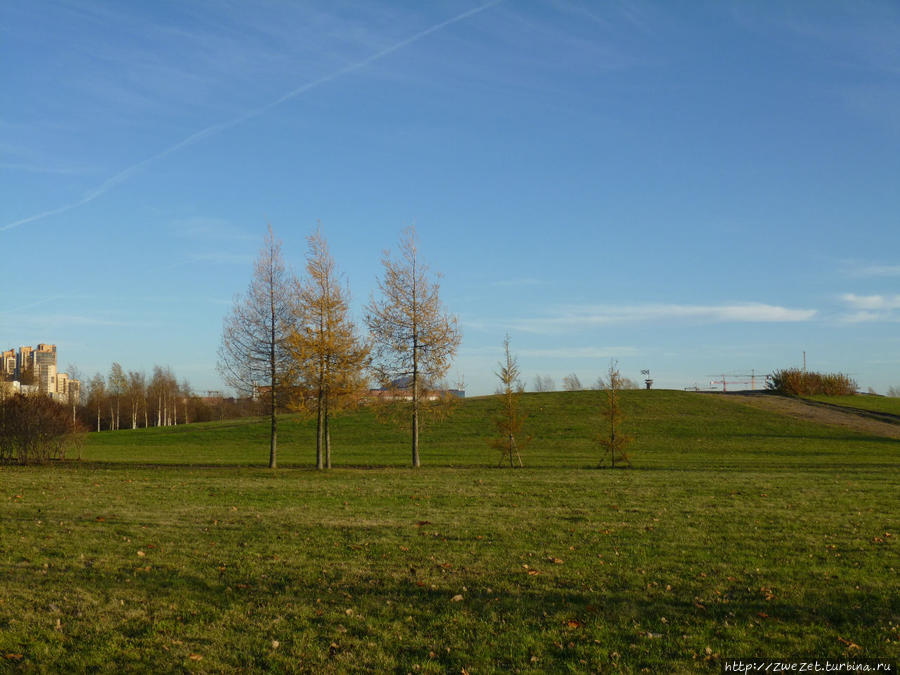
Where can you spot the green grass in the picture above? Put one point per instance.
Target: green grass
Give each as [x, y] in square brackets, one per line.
[739, 533]
[883, 404]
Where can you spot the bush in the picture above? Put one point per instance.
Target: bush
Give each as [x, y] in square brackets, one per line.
[796, 382]
[35, 429]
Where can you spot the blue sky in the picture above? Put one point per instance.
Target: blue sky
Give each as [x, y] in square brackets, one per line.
[694, 188]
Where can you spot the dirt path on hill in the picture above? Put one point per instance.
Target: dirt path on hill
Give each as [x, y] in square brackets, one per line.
[821, 414]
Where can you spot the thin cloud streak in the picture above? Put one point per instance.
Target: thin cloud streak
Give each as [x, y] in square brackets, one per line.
[579, 353]
[215, 129]
[587, 316]
[872, 302]
[872, 270]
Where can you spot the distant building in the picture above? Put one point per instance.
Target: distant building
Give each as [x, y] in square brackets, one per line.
[44, 365]
[40, 362]
[401, 390]
[23, 361]
[8, 364]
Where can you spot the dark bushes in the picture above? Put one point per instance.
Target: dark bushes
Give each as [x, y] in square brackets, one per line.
[797, 382]
[35, 429]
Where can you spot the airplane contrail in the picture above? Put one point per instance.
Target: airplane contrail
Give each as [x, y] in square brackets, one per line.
[214, 129]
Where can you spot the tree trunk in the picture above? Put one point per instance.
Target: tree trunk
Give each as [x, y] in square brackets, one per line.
[320, 431]
[327, 439]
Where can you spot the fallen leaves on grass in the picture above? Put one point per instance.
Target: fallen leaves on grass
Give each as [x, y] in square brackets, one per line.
[195, 657]
[13, 657]
[850, 644]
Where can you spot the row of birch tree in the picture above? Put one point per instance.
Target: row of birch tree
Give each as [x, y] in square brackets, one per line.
[130, 399]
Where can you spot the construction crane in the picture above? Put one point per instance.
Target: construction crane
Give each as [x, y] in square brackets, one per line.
[725, 381]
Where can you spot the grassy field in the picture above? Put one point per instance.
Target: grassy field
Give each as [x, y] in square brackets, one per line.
[738, 533]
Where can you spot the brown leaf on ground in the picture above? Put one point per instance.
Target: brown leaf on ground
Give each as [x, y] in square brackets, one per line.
[195, 657]
[850, 644]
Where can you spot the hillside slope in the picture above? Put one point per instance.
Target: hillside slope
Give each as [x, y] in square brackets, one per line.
[671, 429]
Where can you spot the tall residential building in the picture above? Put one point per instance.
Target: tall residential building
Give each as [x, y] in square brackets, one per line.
[44, 364]
[23, 361]
[8, 364]
[62, 385]
[40, 362]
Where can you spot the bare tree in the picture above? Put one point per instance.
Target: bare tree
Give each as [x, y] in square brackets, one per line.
[329, 357]
[414, 338]
[572, 383]
[614, 441]
[97, 396]
[117, 384]
[253, 356]
[74, 392]
[544, 383]
[137, 384]
[508, 419]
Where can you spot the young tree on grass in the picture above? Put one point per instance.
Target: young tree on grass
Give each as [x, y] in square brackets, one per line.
[253, 355]
[508, 418]
[329, 358]
[614, 441]
[414, 339]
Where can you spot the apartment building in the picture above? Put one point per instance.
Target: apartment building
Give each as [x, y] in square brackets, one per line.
[8, 364]
[40, 363]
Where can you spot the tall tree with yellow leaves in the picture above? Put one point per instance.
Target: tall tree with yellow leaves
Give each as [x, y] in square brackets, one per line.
[329, 359]
[414, 338]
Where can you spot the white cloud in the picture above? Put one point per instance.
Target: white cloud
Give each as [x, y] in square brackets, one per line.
[858, 269]
[872, 302]
[574, 317]
[579, 352]
[868, 308]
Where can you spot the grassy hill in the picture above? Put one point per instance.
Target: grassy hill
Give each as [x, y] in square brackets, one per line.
[740, 532]
[672, 430]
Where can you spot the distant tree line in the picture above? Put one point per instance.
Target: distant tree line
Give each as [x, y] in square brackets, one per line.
[133, 399]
